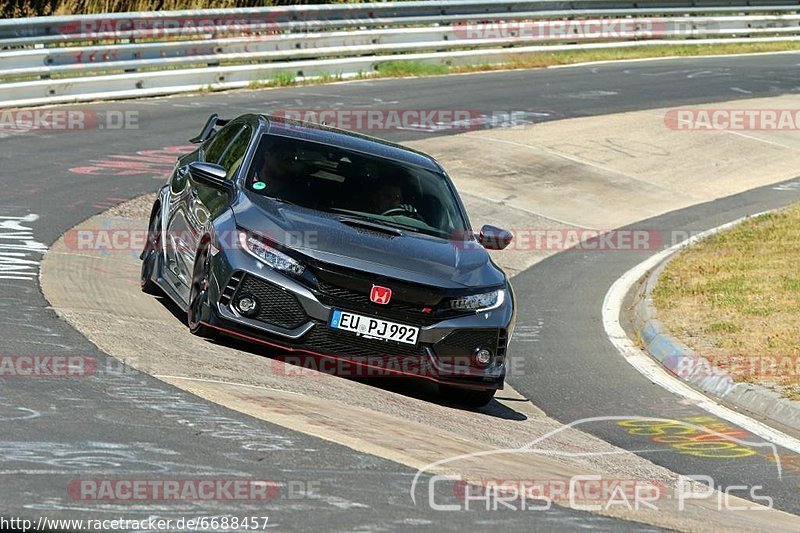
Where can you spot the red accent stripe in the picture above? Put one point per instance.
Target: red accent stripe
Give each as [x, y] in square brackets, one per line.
[329, 356]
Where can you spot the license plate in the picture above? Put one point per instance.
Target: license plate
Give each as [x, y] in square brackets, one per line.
[374, 328]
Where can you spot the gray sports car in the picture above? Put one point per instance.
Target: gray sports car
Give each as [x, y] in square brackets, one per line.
[334, 245]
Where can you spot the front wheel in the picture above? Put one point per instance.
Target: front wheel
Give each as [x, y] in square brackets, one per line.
[150, 256]
[198, 296]
[468, 397]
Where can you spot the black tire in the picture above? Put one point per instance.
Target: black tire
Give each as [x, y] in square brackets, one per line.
[150, 255]
[198, 295]
[468, 397]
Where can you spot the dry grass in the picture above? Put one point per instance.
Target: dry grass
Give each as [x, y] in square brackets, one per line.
[392, 69]
[33, 8]
[735, 298]
[396, 69]
[549, 59]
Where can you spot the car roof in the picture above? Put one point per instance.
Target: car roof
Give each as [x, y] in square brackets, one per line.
[349, 140]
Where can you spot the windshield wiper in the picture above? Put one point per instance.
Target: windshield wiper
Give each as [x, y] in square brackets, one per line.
[280, 200]
[401, 226]
[380, 222]
[368, 223]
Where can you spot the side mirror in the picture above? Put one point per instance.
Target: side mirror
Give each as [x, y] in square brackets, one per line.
[494, 238]
[211, 175]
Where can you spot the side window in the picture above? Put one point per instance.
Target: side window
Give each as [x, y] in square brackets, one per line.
[232, 159]
[216, 145]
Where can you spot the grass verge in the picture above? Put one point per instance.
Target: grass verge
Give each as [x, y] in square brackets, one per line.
[399, 69]
[569, 57]
[38, 8]
[735, 298]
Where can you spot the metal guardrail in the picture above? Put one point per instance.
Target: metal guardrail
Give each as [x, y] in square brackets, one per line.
[65, 59]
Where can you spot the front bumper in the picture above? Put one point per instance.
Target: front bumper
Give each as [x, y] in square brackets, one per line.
[297, 320]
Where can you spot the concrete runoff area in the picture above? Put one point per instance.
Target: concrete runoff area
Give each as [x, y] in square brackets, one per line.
[598, 173]
[606, 172]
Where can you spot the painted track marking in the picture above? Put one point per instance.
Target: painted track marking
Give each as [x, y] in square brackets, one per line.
[647, 366]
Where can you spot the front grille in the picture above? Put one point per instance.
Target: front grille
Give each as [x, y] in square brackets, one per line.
[330, 341]
[458, 348]
[463, 342]
[362, 300]
[351, 291]
[230, 289]
[276, 305]
[340, 293]
[502, 343]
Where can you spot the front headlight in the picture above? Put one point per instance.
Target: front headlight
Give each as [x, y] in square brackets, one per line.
[269, 255]
[479, 302]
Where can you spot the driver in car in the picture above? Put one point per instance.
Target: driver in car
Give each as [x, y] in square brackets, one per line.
[388, 199]
[280, 173]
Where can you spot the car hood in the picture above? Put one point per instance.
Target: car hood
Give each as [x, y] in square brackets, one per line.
[411, 256]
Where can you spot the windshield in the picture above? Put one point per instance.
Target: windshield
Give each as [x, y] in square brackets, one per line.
[355, 185]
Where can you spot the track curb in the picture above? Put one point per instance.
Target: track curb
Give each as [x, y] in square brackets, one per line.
[692, 368]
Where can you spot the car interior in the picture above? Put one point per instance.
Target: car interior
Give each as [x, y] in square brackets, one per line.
[330, 179]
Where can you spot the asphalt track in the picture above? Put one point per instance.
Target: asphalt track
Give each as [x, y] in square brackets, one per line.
[126, 424]
[576, 373]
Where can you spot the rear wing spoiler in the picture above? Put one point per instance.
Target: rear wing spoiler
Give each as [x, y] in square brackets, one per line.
[208, 130]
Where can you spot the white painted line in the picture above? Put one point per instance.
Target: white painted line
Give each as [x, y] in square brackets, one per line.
[663, 58]
[729, 132]
[504, 203]
[791, 186]
[652, 370]
[757, 139]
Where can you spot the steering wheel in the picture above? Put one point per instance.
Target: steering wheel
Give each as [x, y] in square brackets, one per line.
[405, 210]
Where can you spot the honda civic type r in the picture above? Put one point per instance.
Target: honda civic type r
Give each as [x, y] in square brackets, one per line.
[346, 247]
